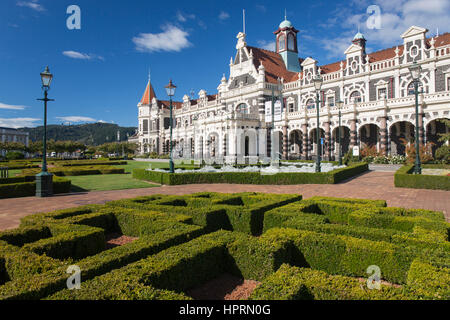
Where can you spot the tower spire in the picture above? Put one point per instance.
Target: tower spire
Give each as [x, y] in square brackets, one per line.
[243, 20]
[285, 14]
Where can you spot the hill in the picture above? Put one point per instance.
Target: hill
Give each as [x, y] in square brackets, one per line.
[90, 133]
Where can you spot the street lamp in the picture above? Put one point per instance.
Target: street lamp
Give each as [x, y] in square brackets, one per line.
[339, 104]
[317, 85]
[44, 179]
[415, 71]
[170, 89]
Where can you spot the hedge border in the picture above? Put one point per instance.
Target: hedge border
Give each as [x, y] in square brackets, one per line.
[403, 178]
[331, 177]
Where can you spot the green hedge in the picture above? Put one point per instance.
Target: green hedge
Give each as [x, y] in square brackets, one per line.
[79, 170]
[90, 163]
[332, 177]
[429, 282]
[293, 283]
[404, 178]
[28, 189]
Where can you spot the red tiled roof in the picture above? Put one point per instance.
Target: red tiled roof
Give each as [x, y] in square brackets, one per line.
[149, 94]
[166, 104]
[442, 40]
[274, 65]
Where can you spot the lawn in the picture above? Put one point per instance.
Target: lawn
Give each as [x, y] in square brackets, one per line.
[106, 182]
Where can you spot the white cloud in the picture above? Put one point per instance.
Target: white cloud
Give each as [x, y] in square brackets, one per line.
[172, 39]
[268, 45]
[11, 107]
[224, 15]
[396, 17]
[76, 119]
[183, 17]
[32, 5]
[261, 7]
[81, 56]
[18, 122]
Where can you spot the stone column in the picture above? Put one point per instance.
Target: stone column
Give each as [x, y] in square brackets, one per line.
[305, 141]
[383, 136]
[285, 142]
[327, 141]
[353, 133]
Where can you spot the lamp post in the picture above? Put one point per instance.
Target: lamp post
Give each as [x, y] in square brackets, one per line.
[317, 85]
[415, 71]
[340, 103]
[170, 88]
[44, 179]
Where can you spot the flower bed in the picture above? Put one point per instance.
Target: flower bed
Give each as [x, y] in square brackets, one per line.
[310, 249]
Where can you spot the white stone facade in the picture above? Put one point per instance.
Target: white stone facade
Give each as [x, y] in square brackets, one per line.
[379, 106]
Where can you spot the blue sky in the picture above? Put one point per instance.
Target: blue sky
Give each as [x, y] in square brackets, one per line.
[100, 71]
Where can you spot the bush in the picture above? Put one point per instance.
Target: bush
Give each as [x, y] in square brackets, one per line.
[293, 283]
[405, 179]
[26, 186]
[14, 155]
[443, 154]
[79, 170]
[332, 177]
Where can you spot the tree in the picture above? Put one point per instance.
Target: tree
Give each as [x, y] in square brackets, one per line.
[445, 137]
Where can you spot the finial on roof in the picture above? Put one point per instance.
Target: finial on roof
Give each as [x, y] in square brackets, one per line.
[397, 50]
[149, 75]
[285, 14]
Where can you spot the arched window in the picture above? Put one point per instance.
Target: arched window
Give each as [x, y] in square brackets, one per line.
[282, 43]
[410, 89]
[291, 42]
[355, 96]
[310, 104]
[242, 108]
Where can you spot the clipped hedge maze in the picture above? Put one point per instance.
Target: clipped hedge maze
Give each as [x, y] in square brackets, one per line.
[318, 248]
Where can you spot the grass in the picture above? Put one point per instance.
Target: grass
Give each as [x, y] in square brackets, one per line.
[107, 182]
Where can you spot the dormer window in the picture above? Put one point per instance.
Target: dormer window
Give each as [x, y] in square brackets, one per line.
[282, 43]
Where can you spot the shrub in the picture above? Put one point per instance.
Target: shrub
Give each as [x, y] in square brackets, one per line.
[14, 155]
[334, 176]
[293, 283]
[443, 154]
[405, 179]
[26, 186]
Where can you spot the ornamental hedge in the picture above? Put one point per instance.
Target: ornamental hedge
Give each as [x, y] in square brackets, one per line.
[78, 170]
[331, 177]
[318, 248]
[25, 186]
[404, 178]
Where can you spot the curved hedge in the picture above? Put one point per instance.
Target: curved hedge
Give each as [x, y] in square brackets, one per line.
[405, 179]
[331, 177]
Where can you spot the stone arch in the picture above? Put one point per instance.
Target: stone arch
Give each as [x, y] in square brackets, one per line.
[433, 130]
[313, 141]
[295, 143]
[406, 80]
[345, 140]
[369, 135]
[401, 133]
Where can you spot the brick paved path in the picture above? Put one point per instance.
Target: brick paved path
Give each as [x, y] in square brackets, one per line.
[371, 185]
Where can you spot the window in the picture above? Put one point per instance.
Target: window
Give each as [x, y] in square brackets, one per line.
[310, 104]
[291, 42]
[448, 83]
[410, 89]
[382, 93]
[281, 43]
[355, 96]
[414, 51]
[330, 101]
[145, 126]
[291, 107]
[242, 108]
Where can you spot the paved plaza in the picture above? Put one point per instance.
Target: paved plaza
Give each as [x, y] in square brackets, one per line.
[370, 185]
